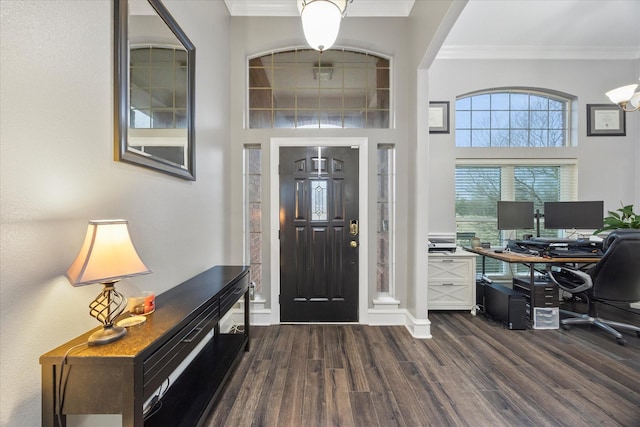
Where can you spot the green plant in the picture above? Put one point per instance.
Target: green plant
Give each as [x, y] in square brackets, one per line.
[620, 218]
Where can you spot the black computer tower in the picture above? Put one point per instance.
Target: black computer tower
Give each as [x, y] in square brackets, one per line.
[505, 305]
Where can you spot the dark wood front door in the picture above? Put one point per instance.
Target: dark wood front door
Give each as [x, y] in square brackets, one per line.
[319, 234]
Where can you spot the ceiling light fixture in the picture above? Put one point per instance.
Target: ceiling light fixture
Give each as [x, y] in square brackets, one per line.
[625, 97]
[321, 21]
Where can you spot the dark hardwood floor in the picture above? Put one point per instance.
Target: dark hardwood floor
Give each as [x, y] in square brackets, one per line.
[473, 372]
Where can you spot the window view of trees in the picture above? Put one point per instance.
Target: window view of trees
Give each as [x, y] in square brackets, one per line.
[513, 118]
[478, 189]
[509, 118]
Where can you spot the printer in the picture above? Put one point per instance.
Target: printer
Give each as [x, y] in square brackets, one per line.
[442, 242]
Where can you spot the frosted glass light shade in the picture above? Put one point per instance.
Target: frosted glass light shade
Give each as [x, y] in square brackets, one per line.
[621, 94]
[321, 23]
[635, 100]
[107, 255]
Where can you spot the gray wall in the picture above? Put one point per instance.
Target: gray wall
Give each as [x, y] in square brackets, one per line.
[248, 40]
[608, 166]
[407, 41]
[57, 172]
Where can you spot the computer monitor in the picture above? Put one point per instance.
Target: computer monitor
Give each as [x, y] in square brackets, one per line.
[515, 215]
[566, 215]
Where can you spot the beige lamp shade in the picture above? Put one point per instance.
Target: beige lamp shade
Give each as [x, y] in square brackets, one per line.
[107, 255]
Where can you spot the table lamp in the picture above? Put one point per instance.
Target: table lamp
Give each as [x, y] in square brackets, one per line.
[107, 256]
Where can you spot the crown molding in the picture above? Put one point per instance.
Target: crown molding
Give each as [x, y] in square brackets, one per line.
[359, 8]
[534, 52]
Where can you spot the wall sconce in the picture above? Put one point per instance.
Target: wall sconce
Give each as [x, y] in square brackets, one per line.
[107, 256]
[624, 96]
[321, 21]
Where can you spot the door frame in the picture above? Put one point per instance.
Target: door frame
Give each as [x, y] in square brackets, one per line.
[274, 209]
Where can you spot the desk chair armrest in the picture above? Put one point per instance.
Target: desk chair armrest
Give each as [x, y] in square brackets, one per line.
[587, 283]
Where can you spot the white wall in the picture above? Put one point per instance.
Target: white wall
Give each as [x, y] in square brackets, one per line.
[57, 172]
[608, 166]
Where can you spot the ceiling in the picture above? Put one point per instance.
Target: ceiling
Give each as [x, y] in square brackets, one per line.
[359, 8]
[574, 29]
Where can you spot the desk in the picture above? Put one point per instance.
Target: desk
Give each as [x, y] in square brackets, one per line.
[530, 261]
[527, 259]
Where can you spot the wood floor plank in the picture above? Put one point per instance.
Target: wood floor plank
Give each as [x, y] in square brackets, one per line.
[285, 336]
[624, 413]
[387, 410]
[272, 391]
[365, 348]
[339, 410]
[410, 408]
[290, 411]
[437, 407]
[355, 372]
[364, 410]
[473, 372]
[316, 342]
[242, 412]
[333, 346]
[314, 403]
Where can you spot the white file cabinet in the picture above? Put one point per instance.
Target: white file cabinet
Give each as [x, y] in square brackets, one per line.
[452, 280]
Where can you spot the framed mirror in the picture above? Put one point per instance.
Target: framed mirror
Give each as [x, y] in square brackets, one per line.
[154, 88]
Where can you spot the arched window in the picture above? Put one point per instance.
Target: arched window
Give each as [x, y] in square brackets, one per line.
[512, 117]
[304, 88]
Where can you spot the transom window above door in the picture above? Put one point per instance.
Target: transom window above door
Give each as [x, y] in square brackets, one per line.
[304, 88]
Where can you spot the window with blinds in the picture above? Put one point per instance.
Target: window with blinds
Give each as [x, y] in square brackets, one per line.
[480, 185]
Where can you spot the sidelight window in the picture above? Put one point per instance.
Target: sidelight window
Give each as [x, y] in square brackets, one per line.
[253, 213]
[386, 222]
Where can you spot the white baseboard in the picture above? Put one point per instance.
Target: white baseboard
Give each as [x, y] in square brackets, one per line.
[419, 328]
[387, 316]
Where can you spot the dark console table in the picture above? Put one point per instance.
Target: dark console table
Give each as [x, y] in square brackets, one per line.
[118, 378]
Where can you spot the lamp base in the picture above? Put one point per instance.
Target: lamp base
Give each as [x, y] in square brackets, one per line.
[106, 335]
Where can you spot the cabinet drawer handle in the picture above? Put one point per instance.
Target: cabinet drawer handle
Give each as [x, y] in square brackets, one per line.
[447, 284]
[192, 335]
[447, 260]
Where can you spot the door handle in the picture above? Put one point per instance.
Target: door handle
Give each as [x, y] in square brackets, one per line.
[353, 227]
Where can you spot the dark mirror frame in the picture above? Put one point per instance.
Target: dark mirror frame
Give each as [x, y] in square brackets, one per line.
[121, 93]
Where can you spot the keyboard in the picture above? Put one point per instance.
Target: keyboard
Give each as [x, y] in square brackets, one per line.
[574, 254]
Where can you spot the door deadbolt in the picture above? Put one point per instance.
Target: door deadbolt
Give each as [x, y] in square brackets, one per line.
[353, 227]
[353, 244]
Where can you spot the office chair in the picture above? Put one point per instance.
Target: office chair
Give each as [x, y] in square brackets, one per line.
[614, 278]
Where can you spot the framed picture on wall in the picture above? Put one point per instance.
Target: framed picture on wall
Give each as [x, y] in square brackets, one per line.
[439, 117]
[605, 120]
